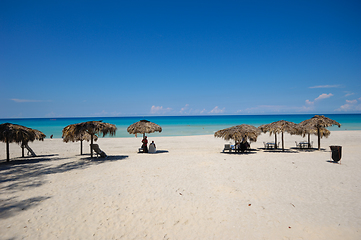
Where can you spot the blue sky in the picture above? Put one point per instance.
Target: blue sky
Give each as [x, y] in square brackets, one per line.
[138, 58]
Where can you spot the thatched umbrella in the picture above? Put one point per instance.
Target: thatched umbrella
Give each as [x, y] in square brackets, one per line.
[38, 136]
[69, 135]
[143, 126]
[16, 133]
[239, 133]
[317, 124]
[304, 128]
[279, 127]
[92, 128]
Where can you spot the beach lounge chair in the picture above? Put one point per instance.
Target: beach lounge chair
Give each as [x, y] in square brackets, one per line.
[227, 147]
[30, 151]
[98, 151]
[269, 145]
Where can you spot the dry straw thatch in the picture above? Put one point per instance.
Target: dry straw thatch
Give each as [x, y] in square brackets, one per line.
[317, 125]
[69, 136]
[279, 127]
[92, 128]
[39, 135]
[10, 133]
[143, 127]
[239, 133]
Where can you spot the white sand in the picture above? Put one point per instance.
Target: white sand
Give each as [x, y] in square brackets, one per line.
[188, 191]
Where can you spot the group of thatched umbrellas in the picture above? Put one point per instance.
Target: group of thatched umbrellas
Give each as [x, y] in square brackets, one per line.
[88, 131]
[315, 125]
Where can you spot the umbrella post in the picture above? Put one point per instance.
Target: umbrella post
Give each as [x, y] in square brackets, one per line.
[283, 144]
[276, 141]
[81, 147]
[309, 142]
[91, 145]
[7, 151]
[319, 139]
[22, 149]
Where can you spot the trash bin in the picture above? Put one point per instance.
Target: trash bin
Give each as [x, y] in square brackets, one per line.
[336, 153]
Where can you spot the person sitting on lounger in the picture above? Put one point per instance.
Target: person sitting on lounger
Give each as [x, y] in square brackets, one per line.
[244, 146]
[152, 148]
[145, 143]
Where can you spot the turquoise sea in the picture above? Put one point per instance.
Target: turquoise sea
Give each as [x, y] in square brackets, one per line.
[182, 125]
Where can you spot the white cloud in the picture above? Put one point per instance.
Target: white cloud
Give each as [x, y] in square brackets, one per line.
[309, 102]
[115, 114]
[101, 114]
[326, 86]
[351, 101]
[306, 109]
[23, 100]
[350, 106]
[183, 109]
[217, 110]
[159, 110]
[50, 115]
[266, 109]
[349, 94]
[322, 96]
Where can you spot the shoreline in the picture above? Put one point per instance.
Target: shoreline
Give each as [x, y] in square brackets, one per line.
[186, 125]
[160, 135]
[188, 190]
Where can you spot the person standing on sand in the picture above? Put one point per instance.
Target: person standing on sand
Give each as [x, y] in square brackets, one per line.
[145, 143]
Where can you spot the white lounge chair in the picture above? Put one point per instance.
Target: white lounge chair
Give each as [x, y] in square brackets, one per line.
[30, 151]
[227, 147]
[98, 151]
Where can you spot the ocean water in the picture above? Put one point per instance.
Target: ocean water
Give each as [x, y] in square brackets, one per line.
[182, 125]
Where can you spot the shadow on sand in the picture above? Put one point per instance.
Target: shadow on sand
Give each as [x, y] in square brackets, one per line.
[106, 159]
[334, 162]
[249, 151]
[29, 159]
[279, 150]
[157, 152]
[308, 149]
[12, 206]
[22, 174]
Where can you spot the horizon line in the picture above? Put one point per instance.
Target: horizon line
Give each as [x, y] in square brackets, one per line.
[209, 115]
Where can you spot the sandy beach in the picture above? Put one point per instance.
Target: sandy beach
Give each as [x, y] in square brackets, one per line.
[189, 189]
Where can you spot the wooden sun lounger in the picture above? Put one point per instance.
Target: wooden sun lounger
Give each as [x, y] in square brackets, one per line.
[98, 151]
[227, 147]
[30, 151]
